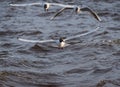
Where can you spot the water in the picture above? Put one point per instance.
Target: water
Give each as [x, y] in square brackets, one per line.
[90, 61]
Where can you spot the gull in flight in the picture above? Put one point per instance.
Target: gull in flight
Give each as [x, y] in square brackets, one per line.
[46, 5]
[78, 9]
[61, 43]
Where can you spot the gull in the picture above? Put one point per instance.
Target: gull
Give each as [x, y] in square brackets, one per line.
[46, 5]
[77, 9]
[61, 43]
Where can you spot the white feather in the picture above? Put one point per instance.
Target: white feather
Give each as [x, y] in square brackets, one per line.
[41, 4]
[80, 35]
[36, 41]
[62, 44]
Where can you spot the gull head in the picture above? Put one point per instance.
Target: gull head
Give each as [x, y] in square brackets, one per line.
[46, 6]
[61, 40]
[77, 9]
[61, 43]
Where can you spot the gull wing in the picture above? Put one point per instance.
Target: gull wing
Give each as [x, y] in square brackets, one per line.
[29, 4]
[92, 12]
[36, 41]
[61, 5]
[38, 3]
[60, 11]
[80, 35]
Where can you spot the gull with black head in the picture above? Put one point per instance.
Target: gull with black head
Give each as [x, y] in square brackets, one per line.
[61, 43]
[78, 9]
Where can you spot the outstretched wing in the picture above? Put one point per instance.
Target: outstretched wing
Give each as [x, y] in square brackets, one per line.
[60, 11]
[38, 3]
[30, 4]
[92, 12]
[80, 35]
[61, 5]
[36, 41]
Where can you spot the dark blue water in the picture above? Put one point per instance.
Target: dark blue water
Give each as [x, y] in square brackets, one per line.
[90, 61]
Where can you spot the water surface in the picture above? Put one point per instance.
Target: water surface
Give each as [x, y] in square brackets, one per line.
[90, 61]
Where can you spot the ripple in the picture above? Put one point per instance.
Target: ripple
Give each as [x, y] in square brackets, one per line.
[103, 13]
[116, 19]
[114, 28]
[38, 48]
[7, 45]
[116, 53]
[112, 42]
[107, 1]
[101, 71]
[4, 54]
[101, 34]
[45, 14]
[23, 52]
[9, 32]
[28, 79]
[102, 83]
[32, 33]
[73, 71]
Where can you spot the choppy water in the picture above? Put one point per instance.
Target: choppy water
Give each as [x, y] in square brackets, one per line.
[91, 61]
